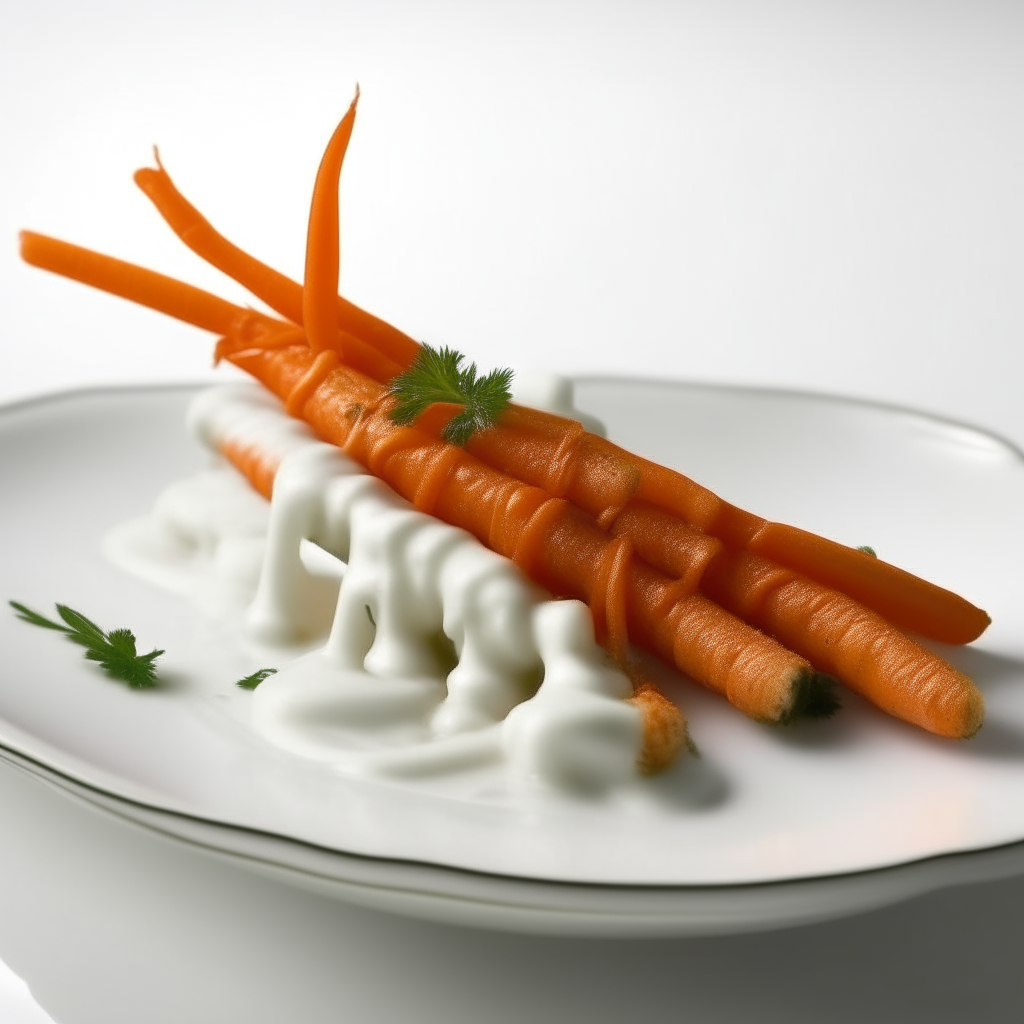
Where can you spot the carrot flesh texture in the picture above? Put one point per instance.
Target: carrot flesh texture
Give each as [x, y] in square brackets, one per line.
[664, 731]
[392, 351]
[842, 637]
[555, 453]
[320, 288]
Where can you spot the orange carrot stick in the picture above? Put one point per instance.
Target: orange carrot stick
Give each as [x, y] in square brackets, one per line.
[902, 598]
[282, 294]
[602, 478]
[320, 290]
[146, 287]
[275, 289]
[841, 637]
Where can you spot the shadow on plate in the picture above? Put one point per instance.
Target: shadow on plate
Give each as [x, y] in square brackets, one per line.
[691, 784]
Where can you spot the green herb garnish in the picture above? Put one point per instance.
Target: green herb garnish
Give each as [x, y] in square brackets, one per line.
[251, 682]
[114, 652]
[868, 550]
[437, 375]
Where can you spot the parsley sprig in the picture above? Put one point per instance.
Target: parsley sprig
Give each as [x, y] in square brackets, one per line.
[438, 375]
[114, 652]
[251, 682]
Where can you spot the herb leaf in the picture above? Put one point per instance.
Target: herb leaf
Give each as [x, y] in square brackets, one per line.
[114, 652]
[251, 682]
[438, 375]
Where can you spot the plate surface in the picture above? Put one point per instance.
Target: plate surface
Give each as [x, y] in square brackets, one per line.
[768, 826]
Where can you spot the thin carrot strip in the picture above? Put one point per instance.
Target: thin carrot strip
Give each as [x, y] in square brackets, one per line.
[146, 287]
[325, 361]
[666, 541]
[320, 287]
[429, 490]
[529, 547]
[283, 295]
[614, 599]
[279, 292]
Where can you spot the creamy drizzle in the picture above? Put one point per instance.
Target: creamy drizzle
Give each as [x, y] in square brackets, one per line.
[440, 655]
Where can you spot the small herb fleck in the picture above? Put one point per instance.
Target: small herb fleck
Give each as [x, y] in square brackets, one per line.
[437, 375]
[251, 682]
[114, 652]
[868, 550]
[369, 615]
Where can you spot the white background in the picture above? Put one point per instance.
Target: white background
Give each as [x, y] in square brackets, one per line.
[822, 194]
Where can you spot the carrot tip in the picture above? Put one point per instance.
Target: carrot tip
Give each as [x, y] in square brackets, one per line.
[813, 696]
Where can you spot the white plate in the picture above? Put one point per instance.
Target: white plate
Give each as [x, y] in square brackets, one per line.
[770, 826]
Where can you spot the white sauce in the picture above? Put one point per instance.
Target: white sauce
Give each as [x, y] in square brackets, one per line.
[435, 645]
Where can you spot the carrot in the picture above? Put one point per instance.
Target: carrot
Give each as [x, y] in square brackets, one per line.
[319, 292]
[840, 636]
[600, 477]
[555, 453]
[146, 287]
[283, 295]
[666, 541]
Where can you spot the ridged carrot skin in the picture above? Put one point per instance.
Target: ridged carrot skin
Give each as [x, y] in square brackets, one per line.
[844, 638]
[552, 452]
